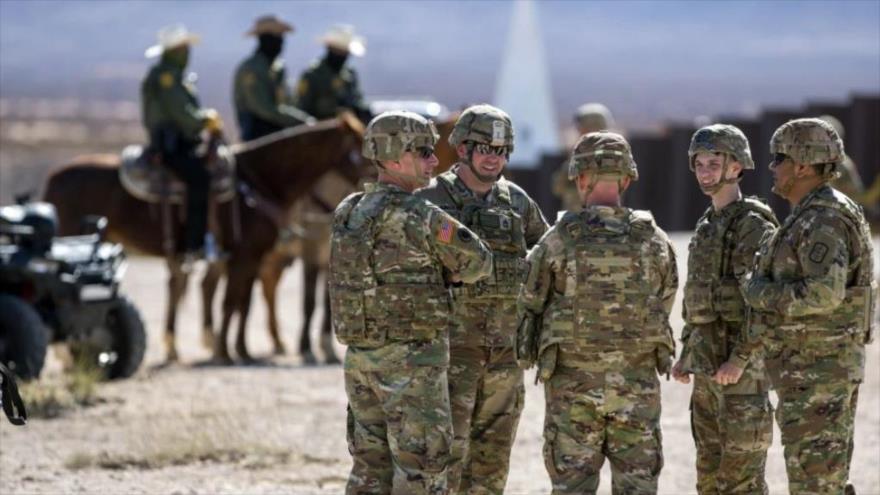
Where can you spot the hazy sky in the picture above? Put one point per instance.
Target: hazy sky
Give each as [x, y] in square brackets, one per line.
[649, 61]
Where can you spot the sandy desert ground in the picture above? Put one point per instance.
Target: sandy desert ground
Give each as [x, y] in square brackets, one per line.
[278, 427]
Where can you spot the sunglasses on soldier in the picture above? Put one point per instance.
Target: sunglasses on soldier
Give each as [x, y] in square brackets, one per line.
[779, 159]
[488, 149]
[424, 152]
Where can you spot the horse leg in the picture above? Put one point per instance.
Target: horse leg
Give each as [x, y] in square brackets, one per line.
[270, 275]
[231, 304]
[244, 308]
[209, 288]
[327, 328]
[310, 283]
[177, 279]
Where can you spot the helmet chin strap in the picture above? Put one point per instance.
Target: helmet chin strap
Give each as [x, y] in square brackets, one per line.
[714, 188]
[420, 181]
[469, 161]
[784, 188]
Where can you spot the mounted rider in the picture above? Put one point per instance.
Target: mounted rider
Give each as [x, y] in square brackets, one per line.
[174, 120]
[263, 102]
[330, 85]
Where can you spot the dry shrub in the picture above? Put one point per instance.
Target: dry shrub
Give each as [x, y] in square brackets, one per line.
[170, 440]
[52, 397]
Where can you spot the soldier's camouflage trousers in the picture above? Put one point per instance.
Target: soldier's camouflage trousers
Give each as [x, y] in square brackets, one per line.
[732, 433]
[399, 430]
[818, 394]
[589, 418]
[487, 393]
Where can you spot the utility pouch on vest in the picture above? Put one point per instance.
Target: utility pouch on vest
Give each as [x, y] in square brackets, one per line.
[351, 280]
[729, 302]
[411, 312]
[698, 299]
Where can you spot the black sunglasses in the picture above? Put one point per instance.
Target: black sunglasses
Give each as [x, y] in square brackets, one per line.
[779, 159]
[488, 149]
[424, 152]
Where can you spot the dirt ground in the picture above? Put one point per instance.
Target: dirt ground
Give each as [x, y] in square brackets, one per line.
[279, 427]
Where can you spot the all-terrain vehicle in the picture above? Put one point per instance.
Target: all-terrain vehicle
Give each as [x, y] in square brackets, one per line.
[63, 289]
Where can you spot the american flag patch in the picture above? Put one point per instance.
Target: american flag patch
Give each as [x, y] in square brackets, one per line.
[447, 229]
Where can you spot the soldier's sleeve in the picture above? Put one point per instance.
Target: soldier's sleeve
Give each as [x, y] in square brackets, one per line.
[535, 290]
[751, 233]
[536, 224]
[668, 271]
[463, 254]
[823, 256]
[533, 294]
[259, 99]
[179, 105]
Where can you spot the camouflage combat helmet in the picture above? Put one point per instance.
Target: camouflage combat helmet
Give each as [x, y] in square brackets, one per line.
[483, 124]
[808, 141]
[390, 134]
[721, 138]
[835, 123]
[606, 153]
[594, 116]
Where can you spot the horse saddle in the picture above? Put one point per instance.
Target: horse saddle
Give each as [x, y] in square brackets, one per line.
[145, 178]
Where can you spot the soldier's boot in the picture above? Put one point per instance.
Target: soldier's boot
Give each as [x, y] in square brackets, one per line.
[328, 350]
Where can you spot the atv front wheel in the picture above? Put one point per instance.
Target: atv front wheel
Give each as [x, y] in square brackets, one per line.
[23, 338]
[117, 347]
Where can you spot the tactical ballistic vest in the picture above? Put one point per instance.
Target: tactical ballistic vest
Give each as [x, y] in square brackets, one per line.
[503, 230]
[855, 314]
[410, 305]
[712, 291]
[608, 301]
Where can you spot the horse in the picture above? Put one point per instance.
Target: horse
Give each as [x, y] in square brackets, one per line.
[277, 170]
[312, 247]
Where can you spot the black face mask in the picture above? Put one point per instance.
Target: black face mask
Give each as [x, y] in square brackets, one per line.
[336, 59]
[270, 45]
[178, 57]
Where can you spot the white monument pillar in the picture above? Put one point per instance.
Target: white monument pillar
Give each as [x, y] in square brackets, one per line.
[523, 89]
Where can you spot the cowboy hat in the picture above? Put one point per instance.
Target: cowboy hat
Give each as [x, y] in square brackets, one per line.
[342, 37]
[269, 24]
[171, 37]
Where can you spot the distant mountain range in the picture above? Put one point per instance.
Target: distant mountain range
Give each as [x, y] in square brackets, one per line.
[648, 61]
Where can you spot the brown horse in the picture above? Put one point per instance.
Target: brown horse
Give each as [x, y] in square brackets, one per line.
[278, 169]
[312, 247]
[312, 218]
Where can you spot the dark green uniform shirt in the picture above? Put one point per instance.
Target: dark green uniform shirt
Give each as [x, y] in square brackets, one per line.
[322, 91]
[170, 102]
[263, 104]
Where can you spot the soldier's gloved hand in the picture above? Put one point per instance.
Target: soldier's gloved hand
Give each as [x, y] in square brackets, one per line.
[213, 122]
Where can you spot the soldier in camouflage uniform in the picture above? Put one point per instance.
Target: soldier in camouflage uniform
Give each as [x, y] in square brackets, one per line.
[485, 384]
[731, 415]
[590, 117]
[812, 295]
[595, 317]
[330, 85]
[393, 255]
[174, 120]
[263, 104]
